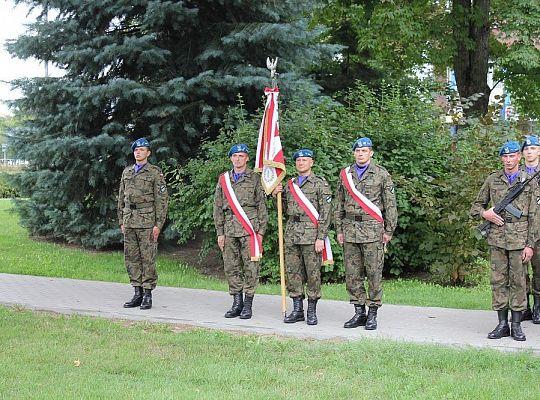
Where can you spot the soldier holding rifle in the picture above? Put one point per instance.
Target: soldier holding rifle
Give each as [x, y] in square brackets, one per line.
[511, 238]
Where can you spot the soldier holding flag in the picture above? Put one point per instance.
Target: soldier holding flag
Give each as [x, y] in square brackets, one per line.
[306, 202]
[365, 219]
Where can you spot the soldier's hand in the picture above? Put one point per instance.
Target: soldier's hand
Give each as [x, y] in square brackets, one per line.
[341, 238]
[221, 242]
[527, 254]
[155, 233]
[492, 217]
[386, 238]
[122, 229]
[278, 189]
[319, 245]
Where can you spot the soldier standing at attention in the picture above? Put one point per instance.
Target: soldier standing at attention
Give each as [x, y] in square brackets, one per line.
[240, 218]
[306, 202]
[531, 151]
[142, 207]
[365, 220]
[510, 240]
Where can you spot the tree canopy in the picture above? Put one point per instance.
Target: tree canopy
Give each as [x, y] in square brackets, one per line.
[166, 70]
[394, 39]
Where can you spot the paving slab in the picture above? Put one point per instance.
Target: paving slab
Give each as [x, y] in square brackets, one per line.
[205, 308]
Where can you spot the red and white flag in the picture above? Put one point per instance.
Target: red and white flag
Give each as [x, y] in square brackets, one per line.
[270, 160]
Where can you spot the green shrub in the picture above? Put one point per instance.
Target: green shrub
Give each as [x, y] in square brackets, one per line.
[436, 178]
[6, 189]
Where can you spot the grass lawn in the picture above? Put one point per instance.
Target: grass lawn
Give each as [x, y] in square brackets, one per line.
[21, 255]
[48, 356]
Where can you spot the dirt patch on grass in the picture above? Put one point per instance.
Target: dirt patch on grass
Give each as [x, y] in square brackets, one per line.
[209, 263]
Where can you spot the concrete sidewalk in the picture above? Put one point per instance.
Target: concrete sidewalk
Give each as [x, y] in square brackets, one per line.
[205, 308]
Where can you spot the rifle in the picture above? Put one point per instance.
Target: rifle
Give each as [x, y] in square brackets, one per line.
[505, 205]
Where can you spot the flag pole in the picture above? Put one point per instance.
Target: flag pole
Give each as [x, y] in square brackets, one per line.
[272, 65]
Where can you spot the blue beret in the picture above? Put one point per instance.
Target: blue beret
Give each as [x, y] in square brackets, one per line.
[530, 141]
[362, 142]
[302, 153]
[141, 142]
[239, 148]
[509, 148]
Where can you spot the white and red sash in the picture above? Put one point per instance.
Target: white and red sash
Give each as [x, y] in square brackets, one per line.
[359, 198]
[255, 245]
[313, 215]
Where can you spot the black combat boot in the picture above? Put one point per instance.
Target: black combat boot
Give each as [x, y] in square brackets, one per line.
[536, 309]
[527, 314]
[137, 298]
[516, 332]
[297, 314]
[246, 310]
[359, 317]
[502, 329]
[147, 300]
[312, 312]
[371, 322]
[236, 307]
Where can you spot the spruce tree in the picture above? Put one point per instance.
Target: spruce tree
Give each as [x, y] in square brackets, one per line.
[166, 70]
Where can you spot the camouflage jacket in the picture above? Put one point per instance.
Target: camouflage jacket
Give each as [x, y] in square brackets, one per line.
[516, 233]
[300, 229]
[250, 194]
[351, 220]
[142, 198]
[536, 221]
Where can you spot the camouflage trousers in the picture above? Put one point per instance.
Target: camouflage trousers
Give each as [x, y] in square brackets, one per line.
[508, 283]
[140, 257]
[303, 267]
[364, 260]
[533, 286]
[235, 255]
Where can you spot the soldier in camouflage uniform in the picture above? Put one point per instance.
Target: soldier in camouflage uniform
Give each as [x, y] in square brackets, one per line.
[233, 239]
[531, 151]
[511, 241]
[363, 231]
[142, 207]
[304, 242]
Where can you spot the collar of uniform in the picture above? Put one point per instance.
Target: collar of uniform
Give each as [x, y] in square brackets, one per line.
[352, 171]
[247, 173]
[308, 178]
[144, 168]
[522, 176]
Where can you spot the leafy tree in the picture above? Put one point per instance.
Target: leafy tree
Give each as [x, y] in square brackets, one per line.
[517, 51]
[393, 39]
[161, 69]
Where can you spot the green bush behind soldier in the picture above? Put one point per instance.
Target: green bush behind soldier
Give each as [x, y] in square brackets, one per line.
[362, 236]
[510, 241]
[142, 208]
[232, 238]
[530, 149]
[304, 242]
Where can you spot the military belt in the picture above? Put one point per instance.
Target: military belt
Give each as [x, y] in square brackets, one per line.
[138, 206]
[353, 217]
[299, 218]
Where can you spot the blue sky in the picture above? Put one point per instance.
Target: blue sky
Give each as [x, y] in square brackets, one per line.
[12, 24]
